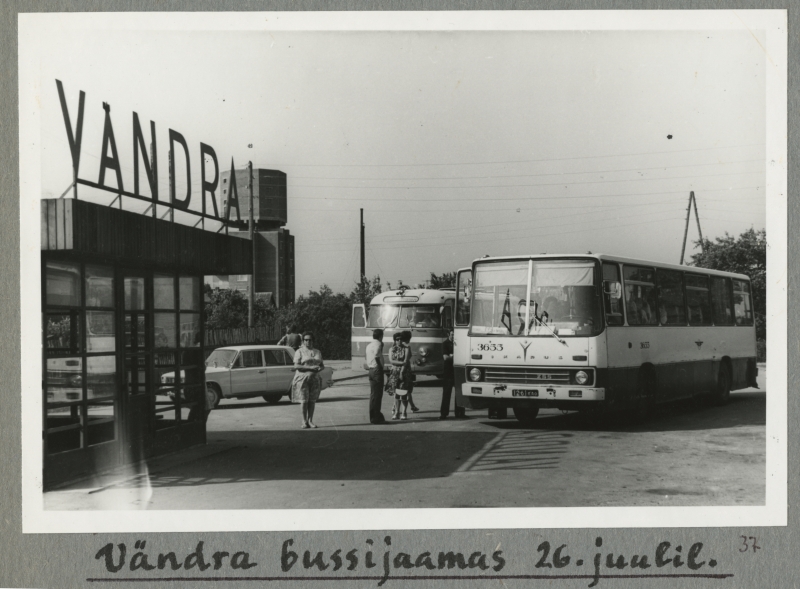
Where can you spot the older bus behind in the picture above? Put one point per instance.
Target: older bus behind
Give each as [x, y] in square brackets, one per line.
[426, 313]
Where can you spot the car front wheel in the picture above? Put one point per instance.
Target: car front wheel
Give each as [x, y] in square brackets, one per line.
[272, 399]
[213, 395]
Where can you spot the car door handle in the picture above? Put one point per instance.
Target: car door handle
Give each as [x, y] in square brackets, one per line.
[261, 371]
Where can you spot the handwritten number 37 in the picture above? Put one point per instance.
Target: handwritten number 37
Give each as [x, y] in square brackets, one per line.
[752, 544]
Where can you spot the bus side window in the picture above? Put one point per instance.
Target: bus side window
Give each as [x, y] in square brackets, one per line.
[742, 304]
[611, 296]
[697, 300]
[671, 307]
[447, 317]
[640, 295]
[463, 294]
[721, 302]
[358, 316]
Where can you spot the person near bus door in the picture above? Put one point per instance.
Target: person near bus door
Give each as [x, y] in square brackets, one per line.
[448, 380]
[406, 339]
[374, 362]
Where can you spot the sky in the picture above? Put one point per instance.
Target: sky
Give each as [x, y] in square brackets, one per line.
[457, 144]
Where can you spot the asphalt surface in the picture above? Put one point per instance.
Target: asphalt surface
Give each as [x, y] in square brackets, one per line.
[257, 457]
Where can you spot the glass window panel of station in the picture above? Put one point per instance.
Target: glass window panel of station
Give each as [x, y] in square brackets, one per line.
[640, 295]
[100, 332]
[62, 333]
[163, 291]
[134, 293]
[63, 284]
[165, 376]
[99, 286]
[189, 293]
[100, 426]
[63, 429]
[190, 330]
[64, 380]
[721, 300]
[671, 307]
[742, 303]
[165, 328]
[136, 375]
[135, 331]
[101, 377]
[697, 301]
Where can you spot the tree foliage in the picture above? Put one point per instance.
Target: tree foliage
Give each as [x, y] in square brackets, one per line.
[444, 280]
[746, 254]
[228, 309]
[327, 315]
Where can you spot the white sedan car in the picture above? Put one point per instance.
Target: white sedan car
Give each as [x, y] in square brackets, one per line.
[241, 372]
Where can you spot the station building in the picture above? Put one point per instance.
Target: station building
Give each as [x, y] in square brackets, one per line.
[122, 342]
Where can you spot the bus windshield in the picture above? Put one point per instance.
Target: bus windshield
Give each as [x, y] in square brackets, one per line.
[382, 316]
[404, 316]
[420, 316]
[563, 298]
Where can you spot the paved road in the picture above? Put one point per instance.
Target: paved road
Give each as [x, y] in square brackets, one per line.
[258, 457]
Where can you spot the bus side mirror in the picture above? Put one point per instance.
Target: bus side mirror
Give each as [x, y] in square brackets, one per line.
[613, 289]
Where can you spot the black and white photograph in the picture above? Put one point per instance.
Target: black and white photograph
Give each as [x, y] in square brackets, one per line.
[346, 271]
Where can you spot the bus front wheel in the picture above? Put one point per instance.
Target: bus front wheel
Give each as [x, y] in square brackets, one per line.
[723, 393]
[526, 415]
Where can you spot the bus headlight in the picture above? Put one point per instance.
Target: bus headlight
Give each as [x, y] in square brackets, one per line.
[423, 352]
[475, 374]
[76, 380]
[581, 377]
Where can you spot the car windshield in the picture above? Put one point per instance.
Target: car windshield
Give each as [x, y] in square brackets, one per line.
[220, 357]
[563, 298]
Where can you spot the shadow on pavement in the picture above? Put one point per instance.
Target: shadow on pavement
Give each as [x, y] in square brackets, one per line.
[385, 454]
[744, 409]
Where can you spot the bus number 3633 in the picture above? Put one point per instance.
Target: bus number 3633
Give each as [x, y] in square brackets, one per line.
[490, 347]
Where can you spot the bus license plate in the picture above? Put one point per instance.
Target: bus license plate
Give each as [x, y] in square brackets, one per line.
[524, 392]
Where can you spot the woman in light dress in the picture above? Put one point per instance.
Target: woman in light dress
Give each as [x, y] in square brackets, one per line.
[307, 383]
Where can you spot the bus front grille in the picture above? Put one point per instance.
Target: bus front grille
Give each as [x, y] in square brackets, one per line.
[526, 375]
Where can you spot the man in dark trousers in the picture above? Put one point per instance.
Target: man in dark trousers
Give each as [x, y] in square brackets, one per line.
[447, 383]
[374, 362]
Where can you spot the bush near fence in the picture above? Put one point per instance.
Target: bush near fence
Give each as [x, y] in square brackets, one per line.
[265, 334]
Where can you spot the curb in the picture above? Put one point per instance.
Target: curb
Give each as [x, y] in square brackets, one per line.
[335, 380]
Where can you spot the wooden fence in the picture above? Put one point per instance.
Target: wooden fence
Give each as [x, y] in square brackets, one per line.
[244, 335]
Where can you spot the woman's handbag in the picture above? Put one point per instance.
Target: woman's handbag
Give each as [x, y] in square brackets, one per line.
[400, 392]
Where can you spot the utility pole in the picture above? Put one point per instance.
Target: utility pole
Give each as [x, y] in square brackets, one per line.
[363, 269]
[692, 203]
[251, 298]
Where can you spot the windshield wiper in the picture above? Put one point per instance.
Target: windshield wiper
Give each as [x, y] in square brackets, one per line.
[543, 324]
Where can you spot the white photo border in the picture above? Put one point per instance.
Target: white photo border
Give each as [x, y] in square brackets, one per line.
[35, 519]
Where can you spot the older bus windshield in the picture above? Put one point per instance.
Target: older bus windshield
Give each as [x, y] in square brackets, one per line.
[532, 298]
[423, 316]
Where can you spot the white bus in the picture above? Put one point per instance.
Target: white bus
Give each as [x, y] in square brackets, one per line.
[577, 332]
[426, 313]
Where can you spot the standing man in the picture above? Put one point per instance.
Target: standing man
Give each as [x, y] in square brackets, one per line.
[374, 363]
[292, 338]
[447, 383]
